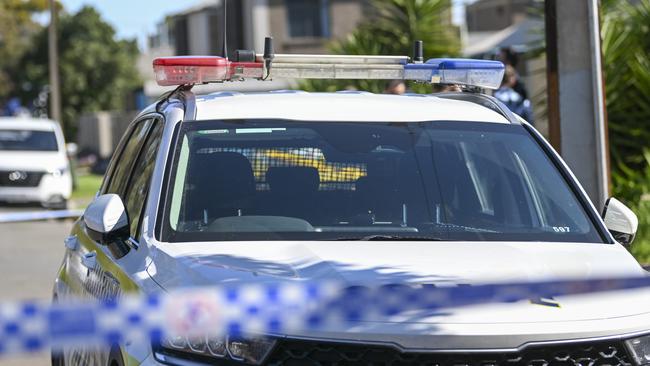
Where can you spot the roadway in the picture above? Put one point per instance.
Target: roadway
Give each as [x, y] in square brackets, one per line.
[32, 253]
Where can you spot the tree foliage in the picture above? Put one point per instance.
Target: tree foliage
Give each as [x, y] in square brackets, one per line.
[16, 29]
[391, 29]
[97, 71]
[626, 62]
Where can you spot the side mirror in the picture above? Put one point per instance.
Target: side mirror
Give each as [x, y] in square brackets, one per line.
[106, 217]
[71, 149]
[620, 221]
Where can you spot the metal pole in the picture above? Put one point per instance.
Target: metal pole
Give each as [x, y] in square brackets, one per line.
[576, 111]
[53, 53]
[553, 78]
[602, 144]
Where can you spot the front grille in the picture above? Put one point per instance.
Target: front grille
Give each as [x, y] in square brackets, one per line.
[292, 352]
[20, 178]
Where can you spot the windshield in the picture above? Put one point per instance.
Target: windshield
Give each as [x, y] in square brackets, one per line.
[26, 140]
[287, 180]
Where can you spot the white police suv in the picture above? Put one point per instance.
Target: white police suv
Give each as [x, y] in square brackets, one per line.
[34, 166]
[431, 190]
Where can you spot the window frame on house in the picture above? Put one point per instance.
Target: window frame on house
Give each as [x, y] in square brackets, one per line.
[321, 30]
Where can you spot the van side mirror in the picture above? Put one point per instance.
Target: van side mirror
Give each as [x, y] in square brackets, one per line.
[71, 149]
[620, 221]
[107, 219]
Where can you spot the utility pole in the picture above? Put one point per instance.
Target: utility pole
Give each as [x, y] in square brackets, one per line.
[576, 110]
[55, 91]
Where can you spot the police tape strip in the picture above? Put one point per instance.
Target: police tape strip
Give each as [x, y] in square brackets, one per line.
[279, 308]
[39, 215]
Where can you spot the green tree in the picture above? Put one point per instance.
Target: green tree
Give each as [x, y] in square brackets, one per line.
[626, 63]
[16, 29]
[97, 71]
[392, 28]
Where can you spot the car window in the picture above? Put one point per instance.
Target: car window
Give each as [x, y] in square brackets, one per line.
[123, 162]
[26, 140]
[290, 180]
[138, 188]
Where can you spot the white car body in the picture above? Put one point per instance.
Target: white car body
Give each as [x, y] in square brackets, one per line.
[157, 266]
[55, 185]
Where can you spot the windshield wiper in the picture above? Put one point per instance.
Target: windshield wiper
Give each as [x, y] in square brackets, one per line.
[391, 238]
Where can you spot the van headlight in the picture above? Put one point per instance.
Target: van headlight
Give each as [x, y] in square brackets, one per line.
[640, 349]
[250, 351]
[59, 172]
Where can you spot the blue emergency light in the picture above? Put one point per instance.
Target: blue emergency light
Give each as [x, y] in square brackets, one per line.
[479, 73]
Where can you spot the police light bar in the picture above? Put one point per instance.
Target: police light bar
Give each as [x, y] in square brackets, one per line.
[170, 71]
[337, 59]
[337, 67]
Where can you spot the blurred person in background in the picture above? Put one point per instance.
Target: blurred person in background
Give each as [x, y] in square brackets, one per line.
[447, 88]
[396, 87]
[14, 108]
[510, 57]
[516, 102]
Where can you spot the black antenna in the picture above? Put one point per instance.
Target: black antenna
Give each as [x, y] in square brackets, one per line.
[418, 52]
[268, 56]
[225, 29]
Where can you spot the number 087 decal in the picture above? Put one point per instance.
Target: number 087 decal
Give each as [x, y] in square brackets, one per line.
[561, 229]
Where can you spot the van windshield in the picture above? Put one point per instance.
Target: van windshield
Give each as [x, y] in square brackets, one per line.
[286, 180]
[26, 140]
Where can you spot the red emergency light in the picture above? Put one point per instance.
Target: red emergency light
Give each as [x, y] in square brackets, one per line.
[184, 70]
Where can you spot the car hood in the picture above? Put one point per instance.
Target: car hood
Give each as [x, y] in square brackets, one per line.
[31, 160]
[439, 263]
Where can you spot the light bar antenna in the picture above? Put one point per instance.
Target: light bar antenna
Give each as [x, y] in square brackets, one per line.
[225, 29]
[418, 52]
[268, 56]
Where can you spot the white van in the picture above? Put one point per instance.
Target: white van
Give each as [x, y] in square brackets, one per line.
[34, 167]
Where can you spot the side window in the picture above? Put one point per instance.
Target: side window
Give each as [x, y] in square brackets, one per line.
[135, 195]
[123, 164]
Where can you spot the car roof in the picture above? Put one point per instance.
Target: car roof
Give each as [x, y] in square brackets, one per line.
[340, 106]
[27, 123]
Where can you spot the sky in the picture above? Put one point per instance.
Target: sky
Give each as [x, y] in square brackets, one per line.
[138, 18]
[132, 18]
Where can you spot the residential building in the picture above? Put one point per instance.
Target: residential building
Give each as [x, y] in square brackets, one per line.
[494, 15]
[306, 26]
[518, 27]
[298, 26]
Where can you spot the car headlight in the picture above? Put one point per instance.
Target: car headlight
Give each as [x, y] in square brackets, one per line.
[251, 351]
[640, 349]
[57, 172]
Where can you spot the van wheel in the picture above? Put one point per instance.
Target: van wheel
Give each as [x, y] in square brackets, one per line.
[62, 205]
[55, 203]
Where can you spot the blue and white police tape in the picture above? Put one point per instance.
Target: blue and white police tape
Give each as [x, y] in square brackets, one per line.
[39, 215]
[279, 308]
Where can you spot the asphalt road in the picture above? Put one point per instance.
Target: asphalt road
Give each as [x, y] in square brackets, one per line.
[31, 255]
